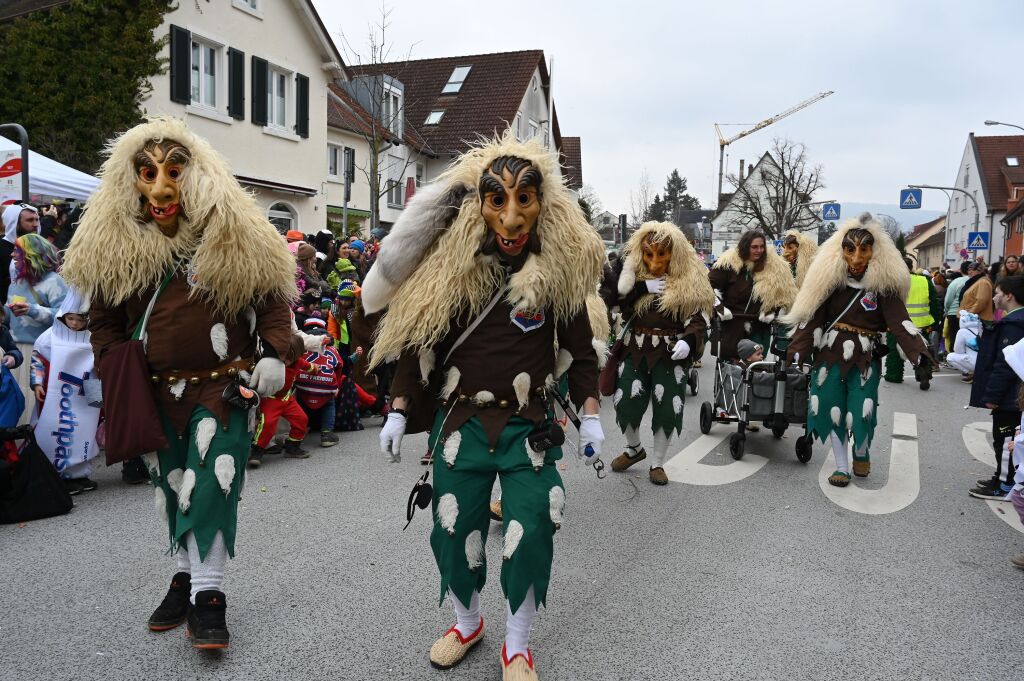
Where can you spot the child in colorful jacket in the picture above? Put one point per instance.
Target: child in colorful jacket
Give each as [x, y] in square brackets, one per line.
[317, 387]
[282, 405]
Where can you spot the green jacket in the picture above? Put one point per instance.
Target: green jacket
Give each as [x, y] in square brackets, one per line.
[343, 269]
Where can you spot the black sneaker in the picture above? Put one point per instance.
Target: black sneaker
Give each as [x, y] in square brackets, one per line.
[173, 610]
[328, 439]
[87, 484]
[133, 471]
[987, 482]
[274, 448]
[990, 490]
[256, 456]
[206, 624]
[293, 450]
[72, 487]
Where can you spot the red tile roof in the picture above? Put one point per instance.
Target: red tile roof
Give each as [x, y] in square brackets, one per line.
[486, 104]
[345, 113]
[924, 226]
[991, 152]
[572, 162]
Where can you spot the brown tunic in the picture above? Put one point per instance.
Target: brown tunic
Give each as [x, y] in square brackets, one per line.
[490, 358]
[737, 290]
[179, 339]
[870, 312]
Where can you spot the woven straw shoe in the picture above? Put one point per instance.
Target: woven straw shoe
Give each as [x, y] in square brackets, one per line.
[450, 649]
[519, 668]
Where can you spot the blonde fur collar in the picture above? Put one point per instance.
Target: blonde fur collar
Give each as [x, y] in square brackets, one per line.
[687, 290]
[886, 273]
[774, 287]
[237, 257]
[453, 278]
[806, 249]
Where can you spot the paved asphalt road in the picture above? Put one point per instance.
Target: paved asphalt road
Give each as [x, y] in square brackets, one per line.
[732, 571]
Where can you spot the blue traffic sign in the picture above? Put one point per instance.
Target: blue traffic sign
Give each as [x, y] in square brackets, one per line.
[977, 241]
[830, 211]
[910, 198]
[778, 246]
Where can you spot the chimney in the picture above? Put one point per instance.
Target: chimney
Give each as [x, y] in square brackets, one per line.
[743, 169]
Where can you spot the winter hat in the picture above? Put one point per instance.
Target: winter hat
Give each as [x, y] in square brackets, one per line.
[325, 303]
[11, 217]
[378, 233]
[294, 235]
[344, 265]
[305, 252]
[358, 245]
[311, 297]
[746, 347]
[320, 257]
[314, 323]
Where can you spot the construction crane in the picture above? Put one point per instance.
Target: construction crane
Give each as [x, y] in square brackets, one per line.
[723, 143]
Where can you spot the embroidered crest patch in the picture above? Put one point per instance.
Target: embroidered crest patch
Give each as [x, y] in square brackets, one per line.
[528, 320]
[869, 301]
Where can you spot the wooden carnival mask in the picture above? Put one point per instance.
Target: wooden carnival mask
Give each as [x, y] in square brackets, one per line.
[510, 202]
[858, 247]
[656, 256]
[790, 249]
[159, 167]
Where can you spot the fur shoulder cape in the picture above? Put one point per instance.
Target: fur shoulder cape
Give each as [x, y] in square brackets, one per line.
[429, 268]
[774, 287]
[687, 289]
[237, 257]
[806, 249]
[886, 273]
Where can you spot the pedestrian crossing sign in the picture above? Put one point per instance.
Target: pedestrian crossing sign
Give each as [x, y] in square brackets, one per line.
[830, 211]
[977, 241]
[910, 198]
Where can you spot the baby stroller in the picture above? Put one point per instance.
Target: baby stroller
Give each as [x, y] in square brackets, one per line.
[766, 391]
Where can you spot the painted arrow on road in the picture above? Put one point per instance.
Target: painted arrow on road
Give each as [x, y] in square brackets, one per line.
[977, 438]
[904, 482]
[686, 466]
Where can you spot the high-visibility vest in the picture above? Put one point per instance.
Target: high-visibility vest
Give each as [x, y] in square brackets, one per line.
[918, 305]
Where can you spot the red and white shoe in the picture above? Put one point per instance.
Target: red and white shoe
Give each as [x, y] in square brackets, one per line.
[519, 668]
[450, 649]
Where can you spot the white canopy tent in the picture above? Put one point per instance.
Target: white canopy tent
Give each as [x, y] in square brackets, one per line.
[49, 178]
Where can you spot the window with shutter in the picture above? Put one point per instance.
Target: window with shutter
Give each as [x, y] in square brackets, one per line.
[301, 105]
[236, 84]
[260, 89]
[181, 65]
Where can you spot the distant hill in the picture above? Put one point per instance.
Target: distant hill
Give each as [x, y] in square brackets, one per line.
[906, 218]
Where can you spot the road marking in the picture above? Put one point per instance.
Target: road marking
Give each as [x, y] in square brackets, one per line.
[904, 482]
[978, 440]
[686, 466]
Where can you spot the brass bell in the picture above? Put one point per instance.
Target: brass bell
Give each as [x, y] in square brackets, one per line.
[232, 371]
[154, 378]
[214, 375]
[503, 404]
[194, 380]
[171, 380]
[463, 398]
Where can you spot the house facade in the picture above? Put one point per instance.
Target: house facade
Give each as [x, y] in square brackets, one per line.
[991, 173]
[252, 76]
[923, 232]
[732, 219]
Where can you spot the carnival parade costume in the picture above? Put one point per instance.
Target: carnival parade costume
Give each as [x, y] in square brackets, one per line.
[488, 268]
[749, 297]
[798, 250]
[663, 294]
[853, 293]
[170, 229]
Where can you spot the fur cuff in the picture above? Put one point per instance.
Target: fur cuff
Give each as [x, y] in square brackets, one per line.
[725, 314]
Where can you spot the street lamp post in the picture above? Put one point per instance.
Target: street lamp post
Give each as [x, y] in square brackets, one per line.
[977, 213]
[1009, 125]
[796, 210]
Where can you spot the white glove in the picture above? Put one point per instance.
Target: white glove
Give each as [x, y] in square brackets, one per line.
[591, 434]
[767, 318]
[681, 350]
[655, 285]
[725, 314]
[268, 377]
[391, 436]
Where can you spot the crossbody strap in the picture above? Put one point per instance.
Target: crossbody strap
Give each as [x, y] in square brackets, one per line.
[140, 328]
[845, 310]
[476, 322]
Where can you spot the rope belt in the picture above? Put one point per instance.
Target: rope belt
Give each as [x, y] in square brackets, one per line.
[873, 335]
[197, 377]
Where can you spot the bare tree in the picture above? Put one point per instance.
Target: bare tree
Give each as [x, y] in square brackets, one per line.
[890, 224]
[589, 194]
[776, 201]
[639, 202]
[381, 96]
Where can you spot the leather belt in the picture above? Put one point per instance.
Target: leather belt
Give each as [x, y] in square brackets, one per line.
[197, 377]
[462, 398]
[654, 332]
[856, 329]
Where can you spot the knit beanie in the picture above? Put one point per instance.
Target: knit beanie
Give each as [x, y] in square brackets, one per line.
[746, 347]
[357, 245]
[305, 252]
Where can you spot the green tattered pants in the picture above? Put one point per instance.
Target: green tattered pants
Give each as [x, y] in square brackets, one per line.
[663, 388]
[846, 406]
[532, 500]
[198, 479]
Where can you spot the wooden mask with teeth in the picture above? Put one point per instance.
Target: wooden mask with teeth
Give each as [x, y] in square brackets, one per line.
[510, 202]
[159, 167]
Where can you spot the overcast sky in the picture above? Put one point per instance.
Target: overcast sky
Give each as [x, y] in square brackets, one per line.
[642, 83]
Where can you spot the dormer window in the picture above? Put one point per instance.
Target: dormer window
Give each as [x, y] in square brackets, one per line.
[1012, 161]
[434, 117]
[456, 80]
